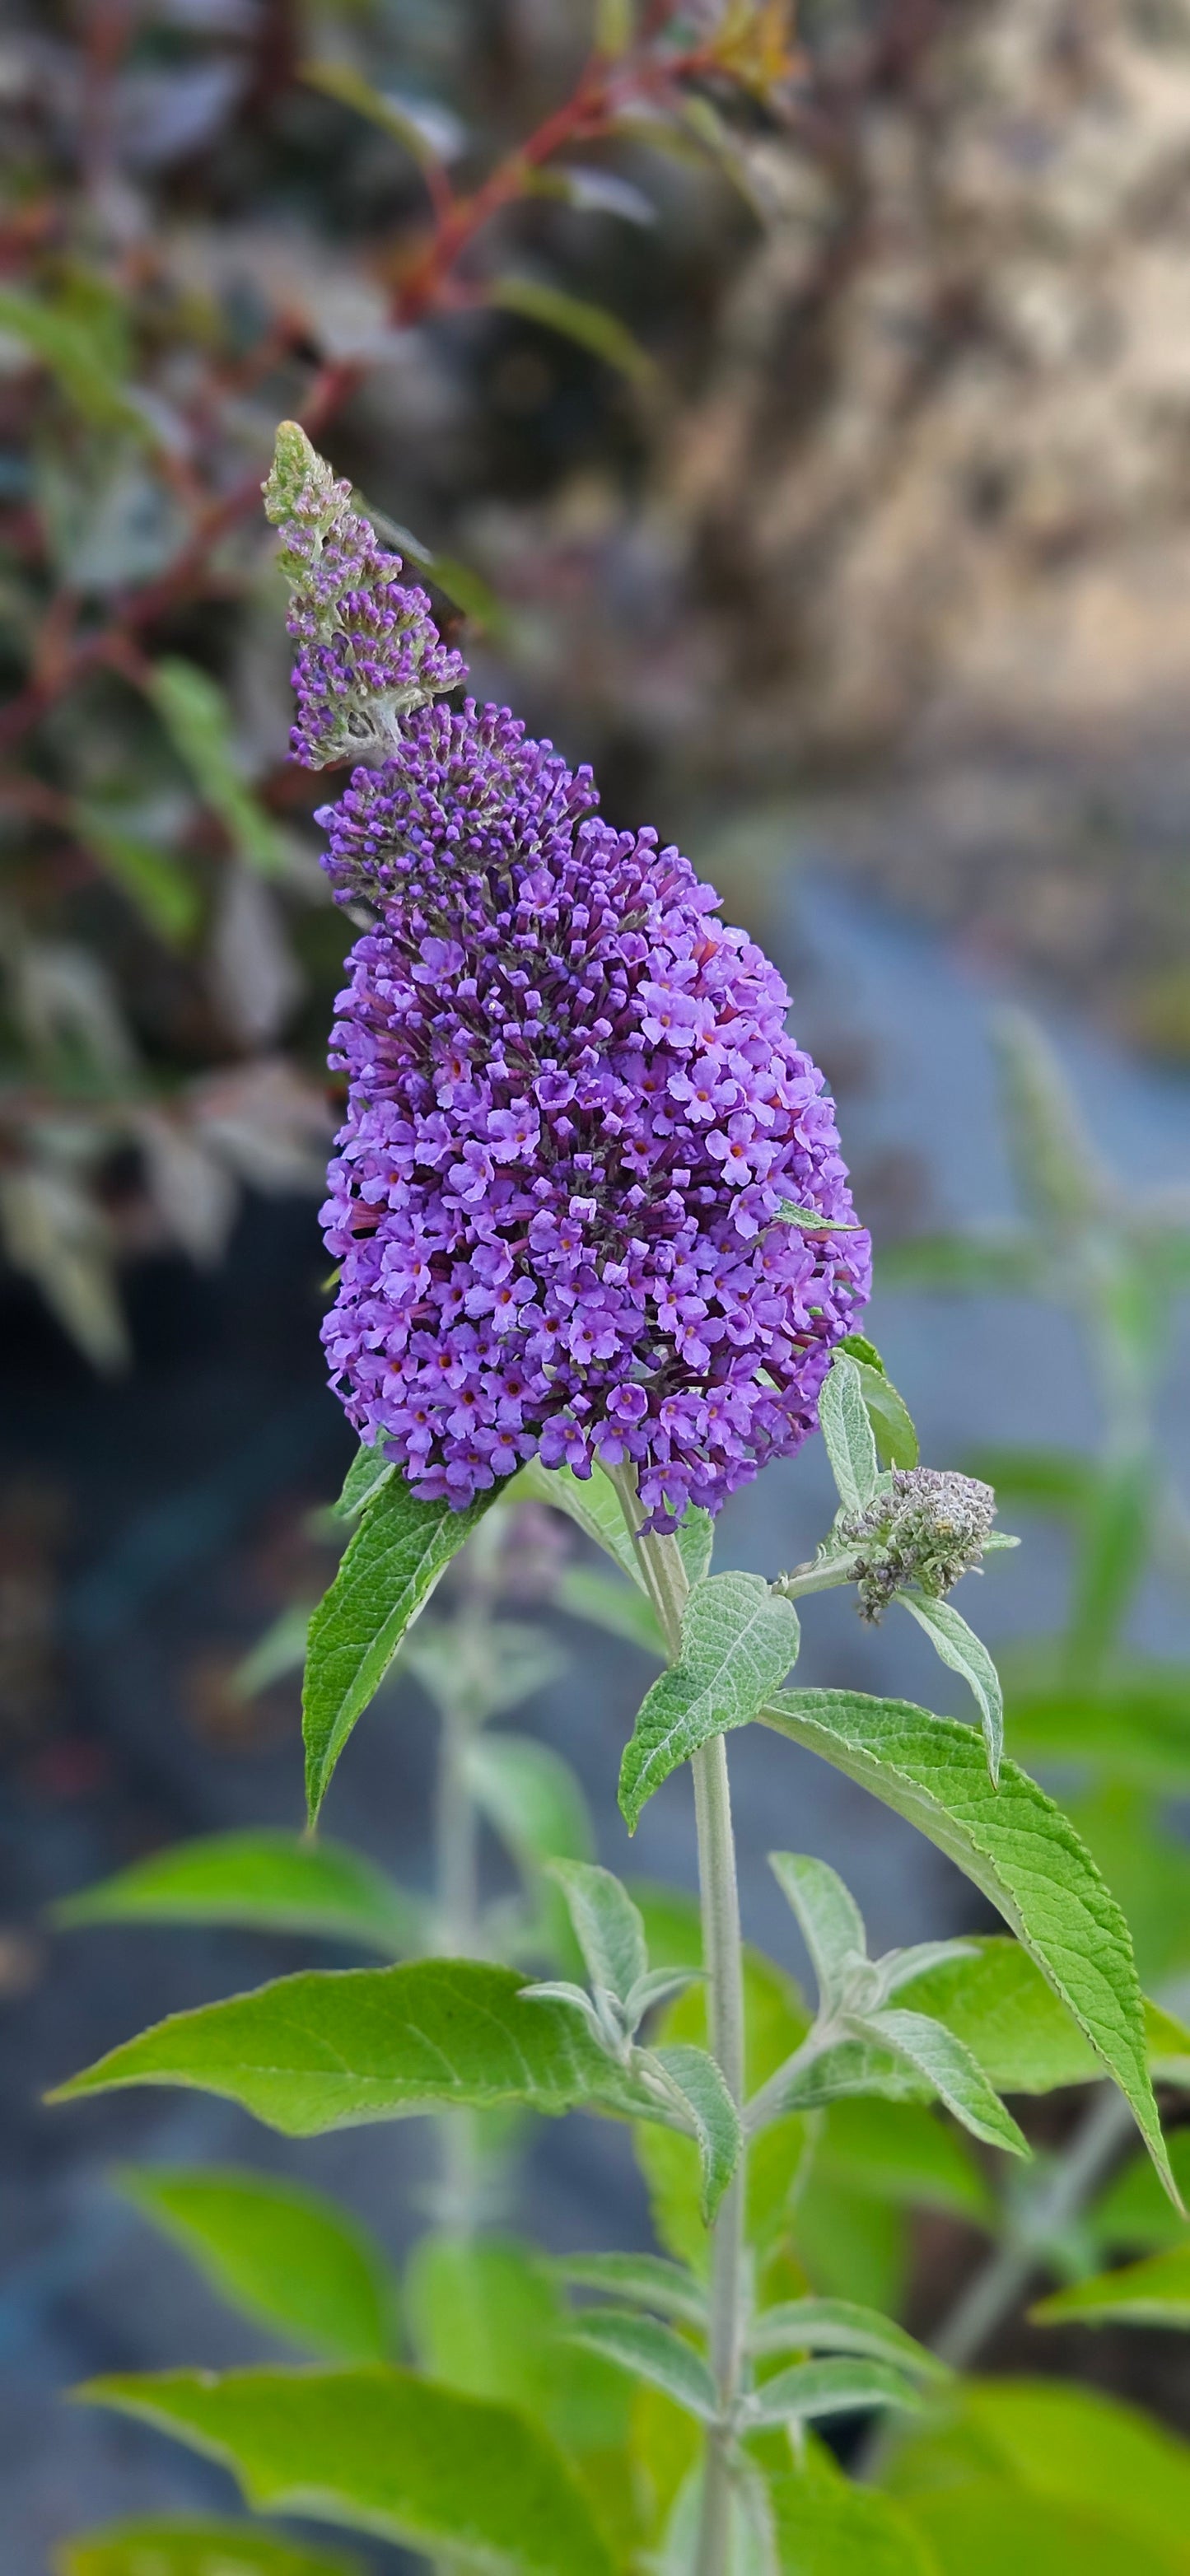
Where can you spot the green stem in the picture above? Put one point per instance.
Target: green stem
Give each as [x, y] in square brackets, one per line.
[459, 1934]
[665, 1579]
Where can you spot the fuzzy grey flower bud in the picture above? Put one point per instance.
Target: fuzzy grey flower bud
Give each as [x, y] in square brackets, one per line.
[930, 1528]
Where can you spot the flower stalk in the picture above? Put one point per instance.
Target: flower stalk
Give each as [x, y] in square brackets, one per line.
[664, 1575]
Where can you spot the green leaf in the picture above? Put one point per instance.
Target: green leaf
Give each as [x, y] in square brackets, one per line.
[715, 2119]
[811, 1221]
[986, 2526]
[380, 2450]
[1135, 1724]
[995, 1261]
[331, 2050]
[841, 2325]
[696, 1539]
[530, 1797]
[953, 2073]
[370, 1468]
[957, 1645]
[394, 116]
[590, 325]
[486, 2316]
[285, 2256]
[830, 1921]
[998, 2002]
[1134, 2215]
[590, 1501]
[892, 1423]
[281, 1650]
[617, 1607]
[1112, 1558]
[268, 1881]
[200, 721]
[642, 2280]
[828, 2526]
[901, 2152]
[73, 350]
[738, 1640]
[847, 1431]
[1057, 1171]
[1153, 2293]
[1045, 1480]
[154, 880]
[607, 1925]
[1073, 2448]
[811, 2390]
[1016, 1845]
[389, 1569]
[650, 2351]
[192, 2549]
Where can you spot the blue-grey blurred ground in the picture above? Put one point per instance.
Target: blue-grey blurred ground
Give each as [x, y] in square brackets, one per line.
[179, 1489]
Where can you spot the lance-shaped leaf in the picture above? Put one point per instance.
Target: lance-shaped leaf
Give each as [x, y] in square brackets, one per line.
[642, 2281]
[193, 2549]
[285, 2256]
[388, 1572]
[1153, 2293]
[1016, 1845]
[199, 720]
[967, 1655]
[531, 1798]
[370, 1468]
[888, 1413]
[712, 2114]
[331, 2050]
[809, 2390]
[831, 2074]
[650, 2351]
[847, 1431]
[997, 2001]
[267, 1881]
[952, 2073]
[608, 1927]
[380, 2451]
[841, 2325]
[590, 324]
[830, 1921]
[738, 1640]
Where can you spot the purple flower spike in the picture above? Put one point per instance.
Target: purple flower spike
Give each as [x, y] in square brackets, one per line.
[574, 1116]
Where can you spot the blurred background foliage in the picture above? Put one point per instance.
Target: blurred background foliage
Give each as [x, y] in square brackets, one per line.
[792, 423]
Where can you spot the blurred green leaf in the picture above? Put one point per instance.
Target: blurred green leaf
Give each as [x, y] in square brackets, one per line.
[591, 1501]
[288, 2258]
[1069, 2452]
[200, 721]
[1133, 2215]
[1057, 1172]
[716, 2122]
[486, 2316]
[602, 333]
[617, 1607]
[532, 1798]
[281, 1650]
[810, 2391]
[829, 2526]
[1134, 1724]
[984, 2527]
[1047, 1480]
[153, 879]
[888, 1413]
[380, 2451]
[192, 2549]
[1153, 2293]
[641, 2281]
[74, 350]
[392, 1562]
[266, 1880]
[1111, 1560]
[1015, 1844]
[422, 131]
[996, 1261]
[903, 2153]
[331, 2050]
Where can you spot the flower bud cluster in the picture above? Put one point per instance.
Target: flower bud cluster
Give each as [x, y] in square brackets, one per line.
[926, 1531]
[368, 649]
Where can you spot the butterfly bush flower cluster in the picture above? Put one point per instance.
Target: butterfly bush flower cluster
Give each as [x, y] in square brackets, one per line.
[574, 1113]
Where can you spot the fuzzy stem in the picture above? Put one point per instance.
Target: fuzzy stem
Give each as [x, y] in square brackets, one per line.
[665, 1579]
